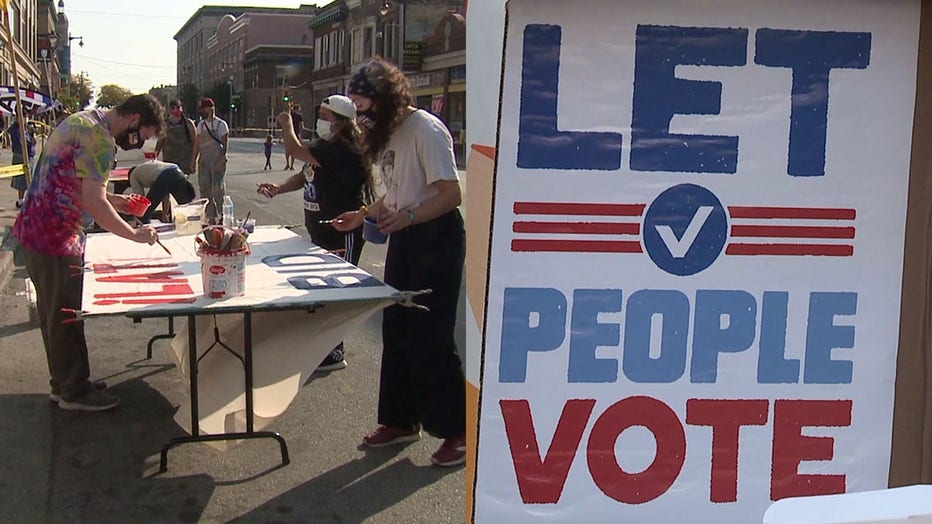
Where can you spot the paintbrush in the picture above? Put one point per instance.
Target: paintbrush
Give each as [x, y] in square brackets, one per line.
[157, 241]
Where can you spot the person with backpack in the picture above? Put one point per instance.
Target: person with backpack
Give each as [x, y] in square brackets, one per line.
[210, 153]
[177, 144]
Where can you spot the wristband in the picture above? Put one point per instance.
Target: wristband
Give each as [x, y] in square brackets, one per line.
[411, 216]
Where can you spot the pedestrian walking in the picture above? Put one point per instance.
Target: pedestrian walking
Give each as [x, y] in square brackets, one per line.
[18, 182]
[422, 382]
[267, 147]
[66, 195]
[297, 123]
[336, 181]
[210, 153]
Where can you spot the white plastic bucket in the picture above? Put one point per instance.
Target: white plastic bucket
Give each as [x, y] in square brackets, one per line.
[190, 218]
[223, 272]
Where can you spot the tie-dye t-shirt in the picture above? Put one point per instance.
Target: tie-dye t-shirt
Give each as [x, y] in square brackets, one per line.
[53, 219]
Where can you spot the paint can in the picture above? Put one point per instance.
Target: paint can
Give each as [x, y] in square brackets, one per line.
[223, 272]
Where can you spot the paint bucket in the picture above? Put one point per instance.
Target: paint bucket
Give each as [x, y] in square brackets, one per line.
[370, 232]
[223, 272]
[190, 218]
[138, 204]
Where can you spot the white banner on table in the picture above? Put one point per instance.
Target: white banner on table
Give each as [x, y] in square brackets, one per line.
[287, 348]
[696, 257]
[283, 271]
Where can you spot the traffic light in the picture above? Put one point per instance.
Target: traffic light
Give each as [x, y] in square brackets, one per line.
[286, 95]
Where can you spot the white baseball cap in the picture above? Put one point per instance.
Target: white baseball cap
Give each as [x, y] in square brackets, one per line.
[340, 105]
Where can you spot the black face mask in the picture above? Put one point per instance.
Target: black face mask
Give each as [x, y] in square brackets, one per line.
[129, 140]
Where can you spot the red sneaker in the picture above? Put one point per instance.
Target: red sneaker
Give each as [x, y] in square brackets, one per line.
[387, 435]
[451, 453]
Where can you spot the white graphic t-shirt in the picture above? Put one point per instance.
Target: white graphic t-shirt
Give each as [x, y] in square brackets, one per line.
[216, 126]
[419, 153]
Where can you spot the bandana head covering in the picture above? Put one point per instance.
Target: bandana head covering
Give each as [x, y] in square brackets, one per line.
[361, 85]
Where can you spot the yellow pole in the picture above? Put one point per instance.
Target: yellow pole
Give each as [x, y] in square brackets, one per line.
[19, 106]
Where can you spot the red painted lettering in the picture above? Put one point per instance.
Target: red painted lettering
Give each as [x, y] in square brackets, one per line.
[726, 418]
[541, 481]
[790, 446]
[637, 488]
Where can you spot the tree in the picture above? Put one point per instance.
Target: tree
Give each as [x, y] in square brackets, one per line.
[112, 95]
[221, 95]
[76, 94]
[190, 98]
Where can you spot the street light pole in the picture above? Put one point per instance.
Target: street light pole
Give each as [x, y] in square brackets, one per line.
[231, 101]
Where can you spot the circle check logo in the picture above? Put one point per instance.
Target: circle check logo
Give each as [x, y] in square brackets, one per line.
[685, 229]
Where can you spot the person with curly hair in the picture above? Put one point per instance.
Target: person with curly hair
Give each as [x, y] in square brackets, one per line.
[336, 180]
[422, 382]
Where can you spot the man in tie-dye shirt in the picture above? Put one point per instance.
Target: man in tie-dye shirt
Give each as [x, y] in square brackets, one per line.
[68, 193]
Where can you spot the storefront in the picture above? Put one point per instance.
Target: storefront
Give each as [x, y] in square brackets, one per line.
[443, 93]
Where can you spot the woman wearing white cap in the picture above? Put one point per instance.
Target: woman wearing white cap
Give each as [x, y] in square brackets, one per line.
[336, 182]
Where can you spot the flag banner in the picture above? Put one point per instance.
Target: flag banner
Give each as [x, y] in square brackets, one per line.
[33, 101]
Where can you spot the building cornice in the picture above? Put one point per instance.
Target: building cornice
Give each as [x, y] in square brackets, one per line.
[330, 14]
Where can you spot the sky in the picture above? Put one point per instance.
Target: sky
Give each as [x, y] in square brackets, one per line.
[130, 43]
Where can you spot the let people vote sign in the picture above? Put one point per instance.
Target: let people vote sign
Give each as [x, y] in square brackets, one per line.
[696, 257]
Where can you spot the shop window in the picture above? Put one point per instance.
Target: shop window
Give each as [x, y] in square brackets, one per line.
[368, 43]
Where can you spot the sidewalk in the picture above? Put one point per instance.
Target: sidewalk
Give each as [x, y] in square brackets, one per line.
[8, 214]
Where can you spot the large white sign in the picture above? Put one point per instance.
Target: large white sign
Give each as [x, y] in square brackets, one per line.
[696, 257]
[282, 271]
[283, 274]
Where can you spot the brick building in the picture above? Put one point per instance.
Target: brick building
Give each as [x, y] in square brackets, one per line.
[213, 47]
[269, 71]
[313, 52]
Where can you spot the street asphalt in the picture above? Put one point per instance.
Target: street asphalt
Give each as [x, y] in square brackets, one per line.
[61, 466]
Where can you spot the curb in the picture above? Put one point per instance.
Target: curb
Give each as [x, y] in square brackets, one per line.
[6, 268]
[6, 259]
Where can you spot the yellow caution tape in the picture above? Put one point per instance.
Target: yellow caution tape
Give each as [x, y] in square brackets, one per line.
[12, 171]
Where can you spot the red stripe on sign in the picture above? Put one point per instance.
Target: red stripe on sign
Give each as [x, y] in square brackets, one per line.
[577, 246]
[829, 250]
[792, 212]
[792, 231]
[167, 289]
[582, 228]
[575, 208]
